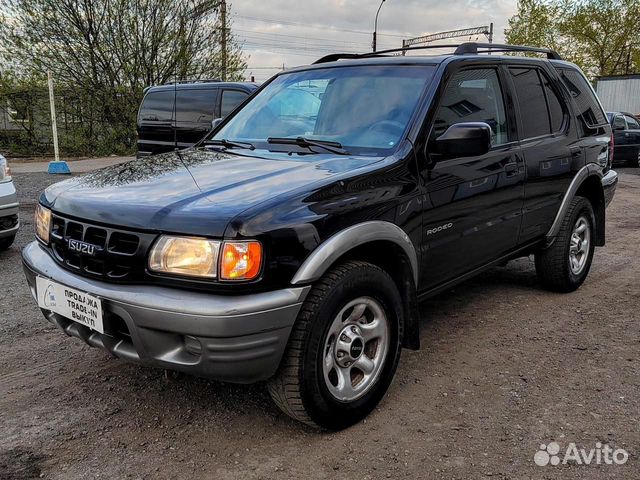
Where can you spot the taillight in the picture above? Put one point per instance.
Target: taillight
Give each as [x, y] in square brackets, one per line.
[611, 145]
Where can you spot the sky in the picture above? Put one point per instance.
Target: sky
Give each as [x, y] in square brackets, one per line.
[297, 32]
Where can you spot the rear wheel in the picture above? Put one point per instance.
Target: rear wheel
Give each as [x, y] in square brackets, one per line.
[564, 266]
[5, 243]
[343, 350]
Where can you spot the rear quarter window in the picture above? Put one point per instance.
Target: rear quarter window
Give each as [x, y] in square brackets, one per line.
[587, 106]
[230, 100]
[157, 107]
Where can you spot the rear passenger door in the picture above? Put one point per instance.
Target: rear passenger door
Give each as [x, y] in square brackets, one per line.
[194, 113]
[472, 205]
[547, 143]
[632, 140]
[620, 139]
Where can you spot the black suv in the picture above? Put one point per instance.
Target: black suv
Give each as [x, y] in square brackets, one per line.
[626, 138]
[178, 115]
[294, 243]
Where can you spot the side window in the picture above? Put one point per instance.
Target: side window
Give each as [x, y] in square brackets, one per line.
[195, 106]
[230, 100]
[632, 123]
[556, 111]
[619, 123]
[533, 107]
[585, 100]
[157, 107]
[473, 96]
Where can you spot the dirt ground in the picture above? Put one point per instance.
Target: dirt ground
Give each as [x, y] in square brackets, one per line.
[505, 367]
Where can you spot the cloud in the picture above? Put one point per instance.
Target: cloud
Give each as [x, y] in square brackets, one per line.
[290, 32]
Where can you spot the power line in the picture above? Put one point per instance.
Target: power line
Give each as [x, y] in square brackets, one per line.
[300, 46]
[317, 26]
[328, 41]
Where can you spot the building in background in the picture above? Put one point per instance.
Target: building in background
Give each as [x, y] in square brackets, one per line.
[620, 93]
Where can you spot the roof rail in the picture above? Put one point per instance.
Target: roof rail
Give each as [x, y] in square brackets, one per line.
[469, 48]
[195, 80]
[350, 56]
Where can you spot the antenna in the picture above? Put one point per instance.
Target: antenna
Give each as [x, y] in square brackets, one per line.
[175, 110]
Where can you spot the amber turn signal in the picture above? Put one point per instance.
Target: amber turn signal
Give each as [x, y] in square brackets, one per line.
[240, 260]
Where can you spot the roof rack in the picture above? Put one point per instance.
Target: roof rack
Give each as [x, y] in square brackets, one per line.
[469, 48]
[195, 80]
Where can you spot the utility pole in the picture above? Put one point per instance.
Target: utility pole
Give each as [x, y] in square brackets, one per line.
[56, 166]
[224, 38]
[54, 123]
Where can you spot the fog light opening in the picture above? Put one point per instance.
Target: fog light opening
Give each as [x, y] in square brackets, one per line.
[192, 345]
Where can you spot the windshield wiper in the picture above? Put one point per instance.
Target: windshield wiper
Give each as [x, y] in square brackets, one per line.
[230, 144]
[333, 147]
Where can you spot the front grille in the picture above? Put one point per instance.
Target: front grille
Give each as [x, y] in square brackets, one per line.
[114, 254]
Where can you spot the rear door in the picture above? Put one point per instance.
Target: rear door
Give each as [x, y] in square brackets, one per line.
[632, 137]
[548, 144]
[155, 123]
[472, 205]
[620, 137]
[195, 109]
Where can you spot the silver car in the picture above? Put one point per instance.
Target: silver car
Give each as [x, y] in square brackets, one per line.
[9, 220]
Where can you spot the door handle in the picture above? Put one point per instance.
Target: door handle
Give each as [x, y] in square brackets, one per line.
[511, 169]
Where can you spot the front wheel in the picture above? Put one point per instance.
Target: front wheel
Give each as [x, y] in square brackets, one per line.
[564, 266]
[343, 350]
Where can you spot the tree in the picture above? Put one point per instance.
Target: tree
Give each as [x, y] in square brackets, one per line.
[605, 32]
[598, 35]
[108, 51]
[533, 24]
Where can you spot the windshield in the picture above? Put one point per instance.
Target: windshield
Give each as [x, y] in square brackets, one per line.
[362, 108]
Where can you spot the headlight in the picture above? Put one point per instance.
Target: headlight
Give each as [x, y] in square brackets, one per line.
[240, 260]
[43, 223]
[5, 171]
[201, 257]
[193, 257]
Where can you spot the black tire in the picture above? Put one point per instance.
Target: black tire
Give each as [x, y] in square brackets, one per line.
[299, 387]
[5, 243]
[553, 264]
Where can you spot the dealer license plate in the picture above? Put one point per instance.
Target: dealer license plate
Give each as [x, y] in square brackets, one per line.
[70, 303]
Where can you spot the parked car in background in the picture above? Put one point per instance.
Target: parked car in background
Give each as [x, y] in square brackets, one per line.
[178, 115]
[626, 136]
[9, 220]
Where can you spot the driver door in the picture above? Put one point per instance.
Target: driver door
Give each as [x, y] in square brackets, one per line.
[472, 206]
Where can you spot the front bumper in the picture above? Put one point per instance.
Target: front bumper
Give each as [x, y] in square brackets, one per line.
[609, 184]
[237, 339]
[9, 223]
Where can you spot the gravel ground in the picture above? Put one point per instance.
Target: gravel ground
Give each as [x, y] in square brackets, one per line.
[505, 367]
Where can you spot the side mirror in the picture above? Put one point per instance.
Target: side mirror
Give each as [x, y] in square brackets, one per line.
[465, 140]
[215, 122]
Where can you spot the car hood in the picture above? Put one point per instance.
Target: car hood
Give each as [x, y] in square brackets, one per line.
[196, 192]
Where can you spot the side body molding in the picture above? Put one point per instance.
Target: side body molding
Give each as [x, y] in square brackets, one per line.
[328, 252]
[585, 172]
